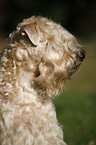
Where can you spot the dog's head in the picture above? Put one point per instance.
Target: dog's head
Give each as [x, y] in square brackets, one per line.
[47, 52]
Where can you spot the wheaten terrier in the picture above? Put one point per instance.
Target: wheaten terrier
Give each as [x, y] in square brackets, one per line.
[37, 60]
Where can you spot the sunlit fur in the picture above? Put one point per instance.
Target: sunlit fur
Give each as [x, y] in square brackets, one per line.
[37, 60]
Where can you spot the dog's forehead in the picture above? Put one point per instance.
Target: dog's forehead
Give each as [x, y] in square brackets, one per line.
[45, 32]
[36, 21]
[45, 25]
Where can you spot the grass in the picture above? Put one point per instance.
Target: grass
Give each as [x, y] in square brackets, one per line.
[76, 106]
[77, 113]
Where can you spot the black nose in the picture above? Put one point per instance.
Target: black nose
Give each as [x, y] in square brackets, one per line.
[82, 56]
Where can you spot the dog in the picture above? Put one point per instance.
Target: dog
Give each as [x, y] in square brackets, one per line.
[38, 59]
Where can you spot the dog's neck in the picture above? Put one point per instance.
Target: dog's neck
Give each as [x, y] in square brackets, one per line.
[25, 90]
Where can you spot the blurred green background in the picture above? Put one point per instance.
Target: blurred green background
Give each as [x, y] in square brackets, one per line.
[76, 106]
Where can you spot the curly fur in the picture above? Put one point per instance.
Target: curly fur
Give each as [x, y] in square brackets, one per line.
[39, 57]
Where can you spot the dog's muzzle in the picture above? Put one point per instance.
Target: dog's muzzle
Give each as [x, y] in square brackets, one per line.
[79, 58]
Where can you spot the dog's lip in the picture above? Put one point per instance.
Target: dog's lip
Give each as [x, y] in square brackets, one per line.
[74, 67]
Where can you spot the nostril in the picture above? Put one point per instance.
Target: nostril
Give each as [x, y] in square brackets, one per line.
[82, 56]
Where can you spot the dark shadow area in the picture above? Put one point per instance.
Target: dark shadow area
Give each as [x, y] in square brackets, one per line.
[78, 16]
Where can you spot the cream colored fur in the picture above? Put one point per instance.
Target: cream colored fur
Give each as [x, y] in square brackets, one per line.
[39, 57]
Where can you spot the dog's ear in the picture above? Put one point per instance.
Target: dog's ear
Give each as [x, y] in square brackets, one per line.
[32, 33]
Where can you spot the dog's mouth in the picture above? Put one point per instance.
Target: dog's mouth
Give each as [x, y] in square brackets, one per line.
[79, 58]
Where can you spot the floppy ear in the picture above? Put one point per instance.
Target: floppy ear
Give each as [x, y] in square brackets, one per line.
[31, 32]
